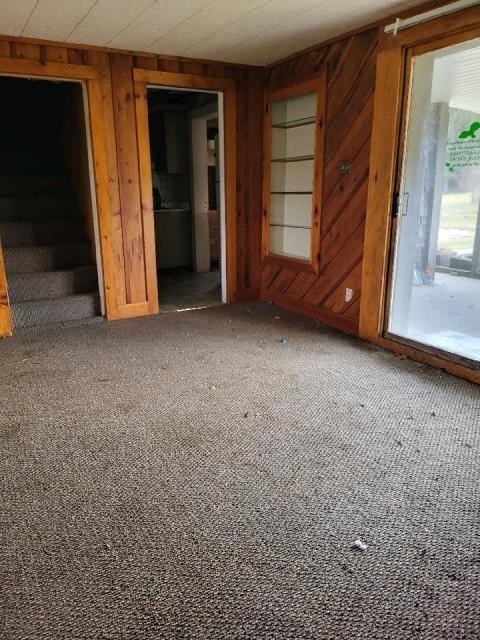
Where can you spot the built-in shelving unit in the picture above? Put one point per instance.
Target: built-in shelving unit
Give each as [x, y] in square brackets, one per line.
[291, 158]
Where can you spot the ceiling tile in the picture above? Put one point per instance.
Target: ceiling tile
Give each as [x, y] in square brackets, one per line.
[14, 14]
[55, 19]
[209, 20]
[107, 19]
[242, 31]
[254, 23]
[157, 20]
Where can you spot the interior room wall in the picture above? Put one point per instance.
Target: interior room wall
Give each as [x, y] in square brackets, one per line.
[350, 89]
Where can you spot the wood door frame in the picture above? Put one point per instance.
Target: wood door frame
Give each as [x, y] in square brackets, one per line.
[89, 77]
[144, 77]
[318, 84]
[385, 156]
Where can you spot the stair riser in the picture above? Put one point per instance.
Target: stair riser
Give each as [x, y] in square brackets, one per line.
[21, 186]
[30, 314]
[29, 234]
[28, 259]
[53, 284]
[14, 209]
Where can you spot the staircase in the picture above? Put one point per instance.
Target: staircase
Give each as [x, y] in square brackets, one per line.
[50, 274]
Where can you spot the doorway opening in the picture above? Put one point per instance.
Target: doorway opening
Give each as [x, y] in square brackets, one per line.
[47, 223]
[435, 295]
[186, 150]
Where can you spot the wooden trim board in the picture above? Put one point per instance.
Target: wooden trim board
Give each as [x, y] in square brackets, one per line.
[6, 327]
[80, 73]
[384, 158]
[383, 155]
[317, 85]
[146, 197]
[50, 70]
[144, 77]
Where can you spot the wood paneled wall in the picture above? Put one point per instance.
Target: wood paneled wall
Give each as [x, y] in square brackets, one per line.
[128, 286]
[350, 90]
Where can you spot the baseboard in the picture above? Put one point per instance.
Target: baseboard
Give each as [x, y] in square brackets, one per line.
[247, 295]
[347, 325]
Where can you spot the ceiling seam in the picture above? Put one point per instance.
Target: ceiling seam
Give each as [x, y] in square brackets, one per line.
[80, 21]
[131, 22]
[29, 17]
[158, 40]
[273, 28]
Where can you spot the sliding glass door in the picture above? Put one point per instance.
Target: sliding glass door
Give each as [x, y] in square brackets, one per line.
[435, 289]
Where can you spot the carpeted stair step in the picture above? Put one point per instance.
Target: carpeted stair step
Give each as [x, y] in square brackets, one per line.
[66, 309]
[52, 258]
[50, 232]
[52, 284]
[34, 208]
[19, 185]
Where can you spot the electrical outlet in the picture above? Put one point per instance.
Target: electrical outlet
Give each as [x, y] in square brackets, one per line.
[348, 294]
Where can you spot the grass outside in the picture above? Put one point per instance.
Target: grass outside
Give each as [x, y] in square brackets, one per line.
[458, 221]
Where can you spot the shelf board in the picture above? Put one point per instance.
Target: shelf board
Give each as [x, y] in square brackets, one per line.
[291, 193]
[293, 159]
[290, 124]
[291, 226]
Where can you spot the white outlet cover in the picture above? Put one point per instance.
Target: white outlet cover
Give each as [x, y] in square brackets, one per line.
[348, 294]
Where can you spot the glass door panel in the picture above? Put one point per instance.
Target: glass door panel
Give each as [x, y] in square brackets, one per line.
[436, 279]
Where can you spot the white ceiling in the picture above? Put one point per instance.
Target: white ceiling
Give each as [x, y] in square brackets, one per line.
[243, 31]
[455, 76]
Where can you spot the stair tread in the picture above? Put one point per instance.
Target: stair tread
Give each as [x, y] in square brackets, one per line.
[46, 246]
[45, 311]
[39, 274]
[73, 297]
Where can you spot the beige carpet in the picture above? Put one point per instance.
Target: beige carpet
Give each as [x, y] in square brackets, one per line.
[188, 476]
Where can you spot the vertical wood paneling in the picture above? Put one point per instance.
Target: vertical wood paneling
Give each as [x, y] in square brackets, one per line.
[4, 49]
[146, 195]
[250, 236]
[55, 54]
[126, 228]
[349, 116]
[5, 315]
[129, 180]
[102, 60]
[25, 51]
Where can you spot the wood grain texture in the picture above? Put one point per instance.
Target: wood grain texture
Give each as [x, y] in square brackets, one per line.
[129, 178]
[315, 85]
[103, 205]
[380, 192]
[5, 315]
[146, 195]
[350, 66]
[126, 235]
[117, 285]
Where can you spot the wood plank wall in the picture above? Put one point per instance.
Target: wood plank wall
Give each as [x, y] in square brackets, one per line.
[116, 81]
[350, 90]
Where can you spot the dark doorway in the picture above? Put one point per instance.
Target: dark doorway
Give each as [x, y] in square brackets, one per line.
[185, 179]
[46, 210]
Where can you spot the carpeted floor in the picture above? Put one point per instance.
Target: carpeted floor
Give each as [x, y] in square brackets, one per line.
[188, 476]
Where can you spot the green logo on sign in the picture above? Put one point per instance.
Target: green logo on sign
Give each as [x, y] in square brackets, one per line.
[470, 133]
[463, 153]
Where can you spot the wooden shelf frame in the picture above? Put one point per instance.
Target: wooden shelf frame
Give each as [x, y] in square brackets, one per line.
[318, 86]
[388, 137]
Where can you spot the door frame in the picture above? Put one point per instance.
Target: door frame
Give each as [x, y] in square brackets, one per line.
[391, 89]
[89, 79]
[225, 86]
